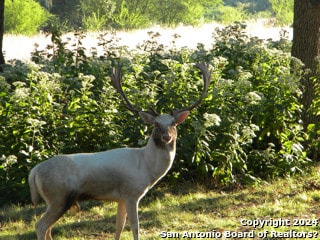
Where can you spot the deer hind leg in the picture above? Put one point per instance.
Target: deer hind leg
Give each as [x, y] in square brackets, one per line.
[121, 218]
[44, 225]
[55, 209]
[132, 211]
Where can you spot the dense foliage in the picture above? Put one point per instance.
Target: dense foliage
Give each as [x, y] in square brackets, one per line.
[248, 128]
[27, 17]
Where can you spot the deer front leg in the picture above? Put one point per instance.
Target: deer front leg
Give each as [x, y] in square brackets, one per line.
[121, 218]
[132, 211]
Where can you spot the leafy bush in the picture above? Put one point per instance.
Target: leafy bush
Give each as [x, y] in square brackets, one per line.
[283, 11]
[130, 16]
[96, 14]
[264, 131]
[228, 14]
[24, 17]
[171, 13]
[247, 128]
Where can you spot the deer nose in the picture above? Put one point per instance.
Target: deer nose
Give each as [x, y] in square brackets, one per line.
[166, 138]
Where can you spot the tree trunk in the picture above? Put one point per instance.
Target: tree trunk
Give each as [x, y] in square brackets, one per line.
[306, 47]
[2, 61]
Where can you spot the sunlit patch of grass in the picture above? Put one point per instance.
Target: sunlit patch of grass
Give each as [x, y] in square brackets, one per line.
[315, 196]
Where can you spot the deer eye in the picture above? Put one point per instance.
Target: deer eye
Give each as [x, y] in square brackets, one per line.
[156, 125]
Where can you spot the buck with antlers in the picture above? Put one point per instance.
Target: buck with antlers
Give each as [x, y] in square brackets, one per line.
[123, 175]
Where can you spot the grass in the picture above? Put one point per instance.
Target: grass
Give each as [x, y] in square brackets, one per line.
[171, 211]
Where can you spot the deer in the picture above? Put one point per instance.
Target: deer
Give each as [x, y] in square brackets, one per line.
[123, 175]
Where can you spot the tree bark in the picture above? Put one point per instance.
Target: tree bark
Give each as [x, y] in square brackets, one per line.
[306, 47]
[2, 61]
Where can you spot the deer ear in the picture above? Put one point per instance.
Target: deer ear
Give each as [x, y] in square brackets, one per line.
[181, 116]
[148, 118]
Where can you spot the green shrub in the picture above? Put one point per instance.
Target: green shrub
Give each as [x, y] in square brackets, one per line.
[283, 11]
[228, 14]
[172, 13]
[96, 14]
[128, 16]
[94, 22]
[24, 17]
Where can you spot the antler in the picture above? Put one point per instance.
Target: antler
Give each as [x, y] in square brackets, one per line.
[206, 82]
[116, 82]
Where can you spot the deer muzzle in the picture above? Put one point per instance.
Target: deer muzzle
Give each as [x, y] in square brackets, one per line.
[166, 138]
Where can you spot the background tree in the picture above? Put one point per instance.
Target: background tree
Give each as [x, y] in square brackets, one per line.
[2, 61]
[307, 23]
[66, 10]
[306, 34]
[306, 47]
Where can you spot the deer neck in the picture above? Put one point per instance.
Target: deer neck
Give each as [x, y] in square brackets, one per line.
[159, 157]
